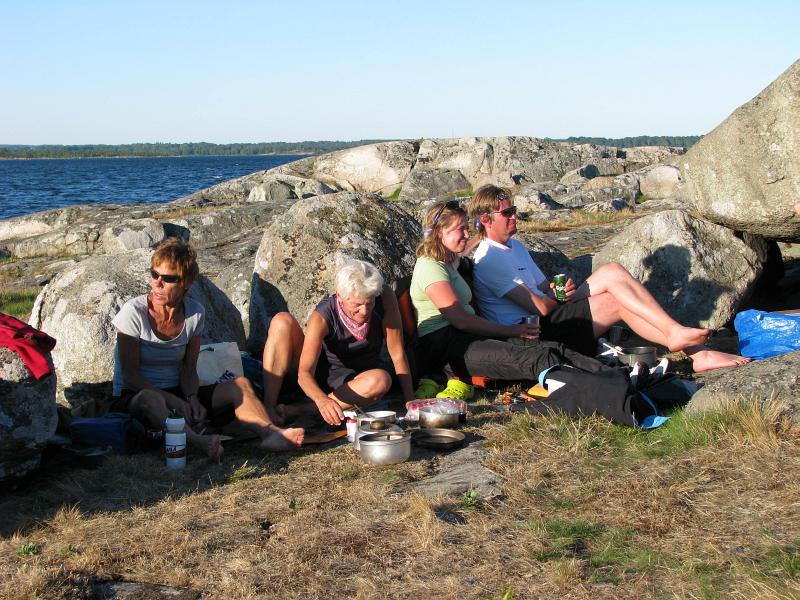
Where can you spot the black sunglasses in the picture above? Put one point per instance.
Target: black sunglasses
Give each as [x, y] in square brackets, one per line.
[507, 212]
[165, 278]
[451, 204]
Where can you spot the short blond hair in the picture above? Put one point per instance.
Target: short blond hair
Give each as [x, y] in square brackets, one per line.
[485, 202]
[179, 254]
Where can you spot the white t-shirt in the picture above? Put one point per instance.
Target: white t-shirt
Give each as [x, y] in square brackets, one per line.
[498, 270]
[160, 361]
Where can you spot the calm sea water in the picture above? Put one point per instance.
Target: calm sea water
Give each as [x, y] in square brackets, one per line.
[28, 186]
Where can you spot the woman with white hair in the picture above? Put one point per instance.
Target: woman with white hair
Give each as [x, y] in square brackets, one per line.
[340, 364]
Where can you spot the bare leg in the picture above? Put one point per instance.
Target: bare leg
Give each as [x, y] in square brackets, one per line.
[705, 359]
[251, 413]
[150, 406]
[364, 389]
[281, 356]
[607, 310]
[631, 295]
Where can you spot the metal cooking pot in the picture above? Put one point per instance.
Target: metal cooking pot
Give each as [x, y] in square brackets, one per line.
[643, 354]
[385, 448]
[438, 417]
[366, 429]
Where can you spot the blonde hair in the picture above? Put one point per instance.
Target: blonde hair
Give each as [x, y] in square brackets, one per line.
[444, 213]
[358, 278]
[179, 254]
[486, 201]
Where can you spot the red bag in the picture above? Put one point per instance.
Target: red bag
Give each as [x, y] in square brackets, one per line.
[32, 345]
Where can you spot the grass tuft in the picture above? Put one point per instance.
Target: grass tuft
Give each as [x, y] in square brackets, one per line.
[575, 219]
[18, 303]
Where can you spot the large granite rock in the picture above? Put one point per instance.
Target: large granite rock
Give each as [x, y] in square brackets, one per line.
[302, 249]
[380, 168]
[433, 183]
[277, 188]
[659, 181]
[27, 415]
[698, 271]
[77, 307]
[132, 234]
[745, 174]
[552, 261]
[762, 381]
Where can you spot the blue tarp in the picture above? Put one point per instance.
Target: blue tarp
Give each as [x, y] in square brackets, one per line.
[764, 334]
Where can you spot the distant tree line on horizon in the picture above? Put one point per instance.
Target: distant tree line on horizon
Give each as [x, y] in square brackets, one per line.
[167, 149]
[687, 141]
[308, 147]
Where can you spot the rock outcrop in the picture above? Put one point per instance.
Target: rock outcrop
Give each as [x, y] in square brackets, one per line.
[776, 379]
[745, 174]
[77, 307]
[302, 249]
[698, 271]
[28, 415]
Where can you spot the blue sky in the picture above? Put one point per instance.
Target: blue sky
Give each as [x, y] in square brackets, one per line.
[110, 72]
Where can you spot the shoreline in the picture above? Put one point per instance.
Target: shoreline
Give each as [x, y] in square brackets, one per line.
[155, 156]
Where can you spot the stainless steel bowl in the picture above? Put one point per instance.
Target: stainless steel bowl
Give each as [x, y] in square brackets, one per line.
[389, 416]
[435, 417]
[643, 354]
[385, 448]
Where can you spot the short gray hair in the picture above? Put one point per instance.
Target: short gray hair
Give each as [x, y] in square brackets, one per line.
[358, 278]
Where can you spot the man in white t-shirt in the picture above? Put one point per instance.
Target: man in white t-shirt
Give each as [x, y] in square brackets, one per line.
[508, 286]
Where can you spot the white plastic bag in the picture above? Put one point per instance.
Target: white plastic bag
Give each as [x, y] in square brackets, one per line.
[218, 363]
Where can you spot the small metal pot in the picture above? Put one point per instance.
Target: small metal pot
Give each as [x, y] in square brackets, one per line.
[366, 429]
[432, 417]
[643, 354]
[389, 416]
[385, 448]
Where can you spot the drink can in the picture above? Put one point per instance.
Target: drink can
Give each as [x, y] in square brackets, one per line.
[531, 320]
[560, 282]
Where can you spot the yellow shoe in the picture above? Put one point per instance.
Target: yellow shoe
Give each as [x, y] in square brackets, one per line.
[456, 389]
[427, 388]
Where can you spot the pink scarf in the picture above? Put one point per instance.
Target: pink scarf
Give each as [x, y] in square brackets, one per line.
[359, 332]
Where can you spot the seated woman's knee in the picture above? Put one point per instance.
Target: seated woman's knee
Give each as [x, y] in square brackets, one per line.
[281, 324]
[146, 401]
[379, 382]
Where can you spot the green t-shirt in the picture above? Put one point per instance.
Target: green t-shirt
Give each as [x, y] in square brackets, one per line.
[426, 272]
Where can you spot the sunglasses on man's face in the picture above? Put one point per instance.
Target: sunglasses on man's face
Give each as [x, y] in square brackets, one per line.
[452, 205]
[507, 212]
[165, 278]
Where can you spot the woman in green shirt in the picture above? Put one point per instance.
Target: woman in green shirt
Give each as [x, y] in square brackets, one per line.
[449, 330]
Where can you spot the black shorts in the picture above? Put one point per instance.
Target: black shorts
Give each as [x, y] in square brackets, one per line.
[122, 402]
[571, 324]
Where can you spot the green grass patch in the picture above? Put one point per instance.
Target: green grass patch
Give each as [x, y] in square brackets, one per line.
[244, 471]
[781, 561]
[18, 303]
[394, 196]
[642, 198]
[562, 539]
[388, 476]
[27, 550]
[463, 193]
[348, 473]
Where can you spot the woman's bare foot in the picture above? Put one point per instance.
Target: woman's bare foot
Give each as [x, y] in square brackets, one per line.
[211, 445]
[682, 337]
[705, 359]
[278, 439]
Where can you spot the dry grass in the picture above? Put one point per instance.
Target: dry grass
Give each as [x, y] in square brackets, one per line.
[574, 220]
[705, 507]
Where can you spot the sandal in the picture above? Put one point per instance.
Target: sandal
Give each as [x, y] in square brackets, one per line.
[457, 390]
[427, 388]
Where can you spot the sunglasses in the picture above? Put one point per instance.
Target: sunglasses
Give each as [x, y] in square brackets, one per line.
[451, 204]
[507, 212]
[165, 278]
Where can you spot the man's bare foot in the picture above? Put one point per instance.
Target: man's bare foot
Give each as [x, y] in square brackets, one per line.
[278, 439]
[682, 338]
[211, 445]
[705, 359]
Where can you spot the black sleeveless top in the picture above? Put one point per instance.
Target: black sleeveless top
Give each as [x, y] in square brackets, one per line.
[343, 354]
